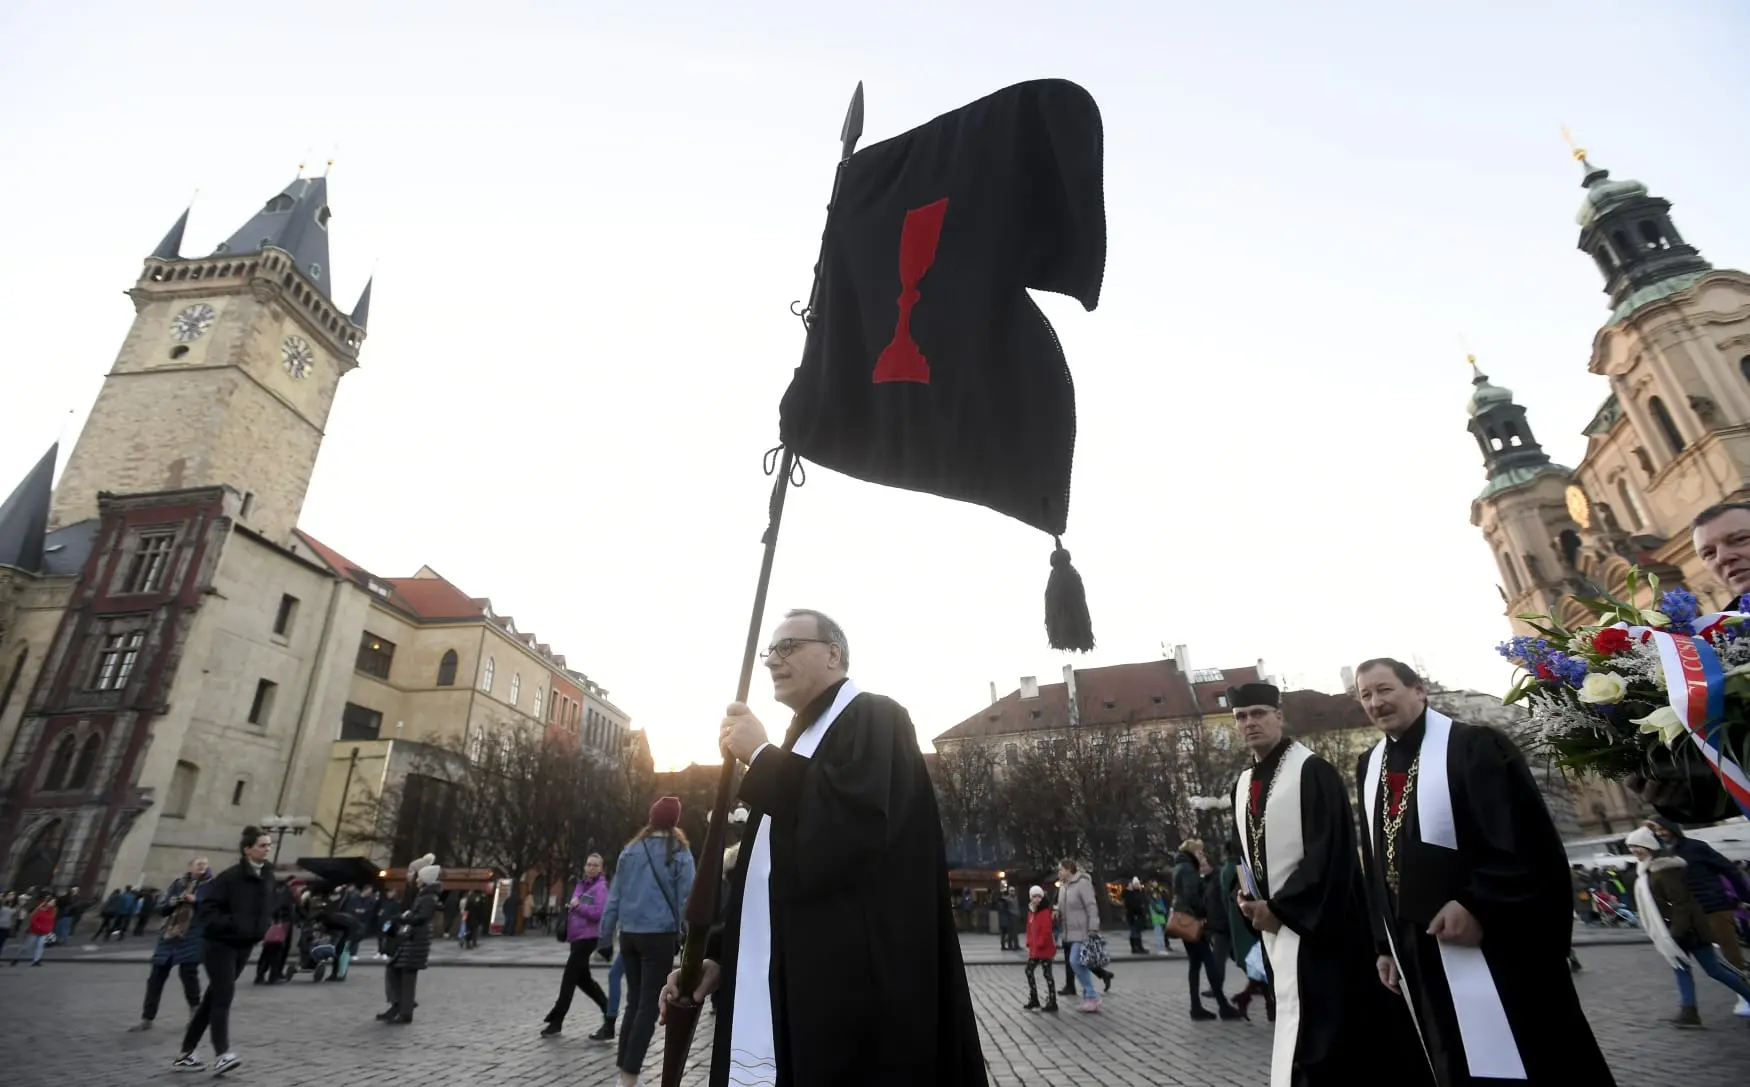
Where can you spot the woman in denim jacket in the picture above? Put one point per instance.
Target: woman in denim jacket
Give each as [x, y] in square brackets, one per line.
[652, 880]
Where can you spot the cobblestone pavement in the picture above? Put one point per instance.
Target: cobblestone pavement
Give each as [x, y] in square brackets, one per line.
[66, 1024]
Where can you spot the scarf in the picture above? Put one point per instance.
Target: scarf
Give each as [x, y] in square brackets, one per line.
[1653, 921]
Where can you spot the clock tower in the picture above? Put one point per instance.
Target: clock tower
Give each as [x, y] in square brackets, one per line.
[228, 373]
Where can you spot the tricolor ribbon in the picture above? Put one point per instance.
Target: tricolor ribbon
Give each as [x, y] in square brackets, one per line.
[1696, 683]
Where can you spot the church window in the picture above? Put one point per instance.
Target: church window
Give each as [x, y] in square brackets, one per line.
[280, 203]
[237, 792]
[486, 675]
[179, 350]
[447, 669]
[1651, 234]
[286, 616]
[59, 764]
[1511, 430]
[261, 707]
[86, 763]
[360, 722]
[151, 558]
[182, 783]
[1494, 440]
[1631, 508]
[1673, 437]
[1510, 572]
[1621, 240]
[115, 662]
[375, 655]
[516, 687]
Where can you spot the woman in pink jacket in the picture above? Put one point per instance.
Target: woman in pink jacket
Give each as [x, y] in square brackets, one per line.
[583, 927]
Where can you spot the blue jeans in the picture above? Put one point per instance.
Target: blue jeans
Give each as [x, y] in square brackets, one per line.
[1084, 976]
[1716, 968]
[64, 930]
[33, 944]
[615, 973]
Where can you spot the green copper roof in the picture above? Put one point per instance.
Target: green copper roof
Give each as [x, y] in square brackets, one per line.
[1652, 292]
[1518, 477]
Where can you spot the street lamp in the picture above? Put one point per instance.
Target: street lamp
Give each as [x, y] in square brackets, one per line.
[281, 825]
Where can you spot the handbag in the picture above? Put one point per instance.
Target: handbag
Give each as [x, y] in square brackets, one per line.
[1184, 927]
[1093, 954]
[277, 933]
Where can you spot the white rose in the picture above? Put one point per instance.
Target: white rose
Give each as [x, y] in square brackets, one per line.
[1655, 619]
[1664, 723]
[1603, 689]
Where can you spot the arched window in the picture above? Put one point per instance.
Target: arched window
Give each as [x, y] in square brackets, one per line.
[87, 762]
[1673, 437]
[182, 783]
[1652, 236]
[447, 669]
[1494, 440]
[1631, 510]
[1511, 430]
[486, 675]
[59, 764]
[1621, 240]
[537, 714]
[1510, 572]
[36, 867]
[516, 687]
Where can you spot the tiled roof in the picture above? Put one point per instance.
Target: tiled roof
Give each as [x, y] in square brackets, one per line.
[1315, 711]
[1115, 695]
[434, 598]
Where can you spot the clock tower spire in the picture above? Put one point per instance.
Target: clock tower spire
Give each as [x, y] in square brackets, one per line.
[228, 373]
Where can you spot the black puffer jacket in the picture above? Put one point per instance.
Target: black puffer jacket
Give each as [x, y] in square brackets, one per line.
[413, 949]
[237, 906]
[1190, 895]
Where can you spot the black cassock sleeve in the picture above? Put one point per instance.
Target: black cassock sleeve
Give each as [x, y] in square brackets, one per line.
[1514, 858]
[1370, 859]
[838, 807]
[1316, 896]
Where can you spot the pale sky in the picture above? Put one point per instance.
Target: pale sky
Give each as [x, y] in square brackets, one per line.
[588, 224]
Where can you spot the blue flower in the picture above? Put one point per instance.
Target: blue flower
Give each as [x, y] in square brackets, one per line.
[1524, 650]
[1680, 604]
[1570, 670]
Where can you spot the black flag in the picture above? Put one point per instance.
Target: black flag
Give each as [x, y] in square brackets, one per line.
[927, 366]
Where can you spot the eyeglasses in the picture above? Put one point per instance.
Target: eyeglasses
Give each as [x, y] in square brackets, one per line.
[783, 647]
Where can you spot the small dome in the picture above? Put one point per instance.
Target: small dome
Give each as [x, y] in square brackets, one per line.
[1603, 194]
[1487, 395]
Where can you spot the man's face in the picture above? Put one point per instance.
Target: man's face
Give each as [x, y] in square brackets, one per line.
[259, 849]
[1391, 705]
[1260, 728]
[801, 664]
[1659, 830]
[1723, 545]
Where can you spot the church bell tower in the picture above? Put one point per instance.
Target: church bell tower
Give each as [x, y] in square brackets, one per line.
[229, 371]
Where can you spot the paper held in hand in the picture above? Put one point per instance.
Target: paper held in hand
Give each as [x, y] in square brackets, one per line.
[1247, 883]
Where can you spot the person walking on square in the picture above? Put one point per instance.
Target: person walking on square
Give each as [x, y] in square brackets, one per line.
[37, 929]
[232, 911]
[179, 943]
[1040, 952]
[1005, 906]
[1136, 908]
[652, 880]
[412, 948]
[1191, 872]
[582, 921]
[1677, 923]
[1080, 909]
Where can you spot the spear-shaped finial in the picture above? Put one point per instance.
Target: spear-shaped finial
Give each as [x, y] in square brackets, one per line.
[853, 129]
[1574, 149]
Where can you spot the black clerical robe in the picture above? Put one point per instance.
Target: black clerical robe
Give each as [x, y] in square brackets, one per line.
[867, 984]
[1504, 862]
[1332, 1015]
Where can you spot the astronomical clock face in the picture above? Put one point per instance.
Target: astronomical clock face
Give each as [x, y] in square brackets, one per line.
[298, 358]
[1578, 508]
[192, 323]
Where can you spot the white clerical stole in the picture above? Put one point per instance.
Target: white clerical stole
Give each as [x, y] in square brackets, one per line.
[753, 1056]
[1284, 849]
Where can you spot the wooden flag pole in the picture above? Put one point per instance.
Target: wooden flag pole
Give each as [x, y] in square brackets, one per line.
[703, 903]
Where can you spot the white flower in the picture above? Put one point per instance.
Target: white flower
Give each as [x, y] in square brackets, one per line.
[1603, 689]
[1663, 723]
[1655, 619]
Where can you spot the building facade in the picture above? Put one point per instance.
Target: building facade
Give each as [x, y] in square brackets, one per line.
[176, 658]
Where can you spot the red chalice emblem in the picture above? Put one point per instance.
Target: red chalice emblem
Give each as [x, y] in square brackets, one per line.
[901, 360]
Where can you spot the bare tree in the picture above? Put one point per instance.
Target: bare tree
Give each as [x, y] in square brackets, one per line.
[965, 780]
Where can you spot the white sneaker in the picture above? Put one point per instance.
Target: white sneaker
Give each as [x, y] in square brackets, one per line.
[225, 1063]
[1742, 1011]
[188, 1062]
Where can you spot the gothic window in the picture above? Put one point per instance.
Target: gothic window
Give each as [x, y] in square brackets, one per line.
[1631, 509]
[86, 763]
[447, 669]
[59, 764]
[1510, 572]
[486, 675]
[181, 795]
[1673, 437]
[115, 662]
[151, 559]
[516, 687]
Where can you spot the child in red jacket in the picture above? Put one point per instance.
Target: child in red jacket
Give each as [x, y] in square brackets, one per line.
[42, 922]
[1041, 951]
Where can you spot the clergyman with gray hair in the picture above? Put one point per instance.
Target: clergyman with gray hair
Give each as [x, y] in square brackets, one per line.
[837, 958]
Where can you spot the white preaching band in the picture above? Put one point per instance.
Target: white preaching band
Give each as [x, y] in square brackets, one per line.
[1284, 849]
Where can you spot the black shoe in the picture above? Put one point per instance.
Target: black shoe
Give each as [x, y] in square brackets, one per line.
[605, 1033]
[1051, 1007]
[1030, 1006]
[1068, 990]
[551, 1029]
[399, 1020]
[1228, 1011]
[1199, 1013]
[1106, 983]
[384, 1017]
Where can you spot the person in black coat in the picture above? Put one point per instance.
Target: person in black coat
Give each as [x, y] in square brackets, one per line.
[1708, 873]
[412, 948]
[232, 910]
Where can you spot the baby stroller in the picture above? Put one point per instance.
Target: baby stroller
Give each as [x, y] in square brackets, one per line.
[316, 950]
[1611, 911]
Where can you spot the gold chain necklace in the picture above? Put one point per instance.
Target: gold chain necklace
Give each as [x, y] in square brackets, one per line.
[1255, 824]
[1392, 823]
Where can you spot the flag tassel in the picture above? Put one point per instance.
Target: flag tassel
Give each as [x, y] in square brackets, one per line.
[1067, 625]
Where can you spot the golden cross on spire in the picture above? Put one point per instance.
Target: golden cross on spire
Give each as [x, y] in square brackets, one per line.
[1575, 149]
[1469, 355]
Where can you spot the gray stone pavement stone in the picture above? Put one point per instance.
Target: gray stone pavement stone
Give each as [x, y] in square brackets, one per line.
[60, 1024]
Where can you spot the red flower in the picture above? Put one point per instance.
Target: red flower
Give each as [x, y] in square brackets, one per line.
[1544, 671]
[1610, 641]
